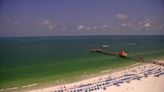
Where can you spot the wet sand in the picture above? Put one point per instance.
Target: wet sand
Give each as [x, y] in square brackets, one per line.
[147, 83]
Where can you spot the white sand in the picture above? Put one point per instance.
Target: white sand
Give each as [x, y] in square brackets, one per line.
[146, 84]
[150, 84]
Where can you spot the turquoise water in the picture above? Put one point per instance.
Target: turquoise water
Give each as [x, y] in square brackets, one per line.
[23, 59]
[33, 50]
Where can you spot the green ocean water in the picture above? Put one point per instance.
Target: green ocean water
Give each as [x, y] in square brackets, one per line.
[27, 60]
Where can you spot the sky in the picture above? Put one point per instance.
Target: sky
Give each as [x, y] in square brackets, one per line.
[81, 17]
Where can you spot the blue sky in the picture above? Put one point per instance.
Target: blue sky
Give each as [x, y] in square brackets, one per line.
[81, 17]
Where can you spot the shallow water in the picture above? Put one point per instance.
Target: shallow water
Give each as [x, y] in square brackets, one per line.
[25, 59]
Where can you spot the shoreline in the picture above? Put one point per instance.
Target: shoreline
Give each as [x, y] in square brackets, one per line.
[99, 78]
[81, 78]
[35, 87]
[90, 76]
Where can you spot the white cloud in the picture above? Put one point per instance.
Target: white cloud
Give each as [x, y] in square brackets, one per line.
[45, 22]
[104, 26]
[48, 24]
[121, 16]
[146, 23]
[123, 25]
[88, 28]
[80, 27]
[50, 27]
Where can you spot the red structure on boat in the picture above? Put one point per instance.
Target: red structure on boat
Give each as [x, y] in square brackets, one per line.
[123, 53]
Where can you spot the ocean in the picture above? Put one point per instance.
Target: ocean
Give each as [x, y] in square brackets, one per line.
[25, 60]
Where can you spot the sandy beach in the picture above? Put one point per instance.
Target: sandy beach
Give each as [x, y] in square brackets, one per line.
[144, 78]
